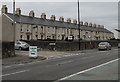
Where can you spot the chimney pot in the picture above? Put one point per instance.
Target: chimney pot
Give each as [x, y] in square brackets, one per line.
[94, 25]
[75, 21]
[61, 19]
[90, 24]
[32, 14]
[4, 9]
[81, 22]
[53, 17]
[101, 26]
[69, 20]
[43, 15]
[97, 26]
[18, 11]
[86, 23]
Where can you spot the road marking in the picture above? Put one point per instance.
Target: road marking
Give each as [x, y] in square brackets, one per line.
[102, 51]
[66, 55]
[13, 65]
[86, 70]
[64, 62]
[34, 62]
[21, 64]
[7, 66]
[115, 49]
[14, 73]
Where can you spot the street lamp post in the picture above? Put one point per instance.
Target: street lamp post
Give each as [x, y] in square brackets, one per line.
[14, 23]
[79, 23]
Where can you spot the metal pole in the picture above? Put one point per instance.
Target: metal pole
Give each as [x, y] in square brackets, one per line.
[79, 23]
[14, 22]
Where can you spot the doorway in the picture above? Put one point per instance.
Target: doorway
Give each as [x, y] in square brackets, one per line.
[28, 37]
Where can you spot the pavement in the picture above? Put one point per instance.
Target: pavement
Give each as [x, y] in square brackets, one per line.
[60, 67]
[22, 57]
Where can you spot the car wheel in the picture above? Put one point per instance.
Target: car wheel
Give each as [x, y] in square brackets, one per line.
[99, 49]
[20, 48]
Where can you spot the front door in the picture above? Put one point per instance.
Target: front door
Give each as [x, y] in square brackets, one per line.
[28, 37]
[41, 37]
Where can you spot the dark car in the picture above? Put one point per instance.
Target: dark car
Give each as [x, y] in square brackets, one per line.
[118, 45]
[104, 46]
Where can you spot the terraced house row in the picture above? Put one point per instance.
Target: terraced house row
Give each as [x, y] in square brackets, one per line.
[31, 27]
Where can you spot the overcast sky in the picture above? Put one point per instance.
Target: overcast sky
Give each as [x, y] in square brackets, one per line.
[103, 13]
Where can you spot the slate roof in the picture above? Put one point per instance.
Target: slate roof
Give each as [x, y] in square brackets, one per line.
[47, 22]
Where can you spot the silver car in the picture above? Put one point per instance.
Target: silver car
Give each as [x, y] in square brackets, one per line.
[104, 46]
[21, 45]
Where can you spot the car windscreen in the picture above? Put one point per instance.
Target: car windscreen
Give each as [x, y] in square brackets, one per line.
[103, 43]
[23, 42]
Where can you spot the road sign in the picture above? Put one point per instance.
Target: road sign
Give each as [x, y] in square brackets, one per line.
[33, 51]
[70, 37]
[52, 44]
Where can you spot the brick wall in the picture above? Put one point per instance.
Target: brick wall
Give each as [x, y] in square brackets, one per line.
[68, 45]
[7, 49]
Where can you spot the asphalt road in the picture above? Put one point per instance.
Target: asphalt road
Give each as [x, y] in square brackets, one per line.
[106, 71]
[59, 67]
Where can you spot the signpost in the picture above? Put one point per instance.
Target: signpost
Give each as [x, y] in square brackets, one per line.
[33, 52]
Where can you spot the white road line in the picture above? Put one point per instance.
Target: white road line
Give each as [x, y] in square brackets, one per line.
[14, 73]
[64, 62]
[13, 65]
[86, 70]
[21, 64]
[65, 55]
[103, 51]
[115, 49]
[7, 66]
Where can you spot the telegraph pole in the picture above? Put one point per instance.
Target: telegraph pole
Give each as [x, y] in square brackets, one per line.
[79, 23]
[14, 24]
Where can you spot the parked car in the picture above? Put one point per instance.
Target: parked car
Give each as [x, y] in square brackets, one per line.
[104, 46]
[21, 45]
[118, 45]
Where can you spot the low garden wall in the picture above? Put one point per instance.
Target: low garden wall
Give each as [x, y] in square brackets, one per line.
[68, 45]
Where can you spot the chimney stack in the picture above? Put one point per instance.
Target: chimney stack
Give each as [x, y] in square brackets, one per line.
[94, 25]
[90, 24]
[61, 19]
[53, 17]
[97, 26]
[31, 14]
[86, 23]
[75, 21]
[81, 22]
[4, 9]
[43, 16]
[18, 11]
[102, 26]
[69, 20]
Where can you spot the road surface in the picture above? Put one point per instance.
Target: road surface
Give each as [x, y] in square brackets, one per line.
[63, 66]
